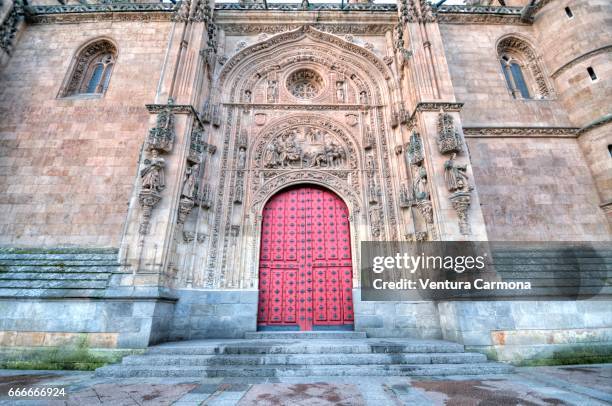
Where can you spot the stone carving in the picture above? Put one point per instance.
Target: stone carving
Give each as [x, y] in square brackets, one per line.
[457, 182]
[260, 119]
[420, 188]
[374, 214]
[8, 29]
[405, 196]
[161, 137]
[373, 191]
[190, 184]
[455, 176]
[204, 198]
[368, 139]
[239, 188]
[272, 91]
[340, 93]
[152, 174]
[363, 97]
[416, 11]
[461, 203]
[241, 158]
[246, 97]
[561, 132]
[190, 236]
[417, 237]
[449, 139]
[305, 147]
[202, 12]
[153, 183]
[351, 119]
[305, 84]
[182, 14]
[196, 145]
[185, 206]
[415, 149]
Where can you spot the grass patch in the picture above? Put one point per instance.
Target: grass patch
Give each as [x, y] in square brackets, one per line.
[77, 357]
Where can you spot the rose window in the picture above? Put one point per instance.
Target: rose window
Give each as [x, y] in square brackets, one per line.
[305, 84]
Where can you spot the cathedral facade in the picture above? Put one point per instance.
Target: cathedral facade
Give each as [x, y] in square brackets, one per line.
[227, 160]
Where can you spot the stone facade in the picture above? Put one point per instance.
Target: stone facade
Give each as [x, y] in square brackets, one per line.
[169, 144]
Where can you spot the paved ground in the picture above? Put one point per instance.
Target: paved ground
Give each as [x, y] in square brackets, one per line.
[570, 385]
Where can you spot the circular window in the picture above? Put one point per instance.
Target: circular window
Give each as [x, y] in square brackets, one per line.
[305, 84]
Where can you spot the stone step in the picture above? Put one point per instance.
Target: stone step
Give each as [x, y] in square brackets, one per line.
[264, 346]
[58, 257]
[304, 359]
[54, 263]
[54, 276]
[54, 284]
[304, 335]
[58, 269]
[124, 371]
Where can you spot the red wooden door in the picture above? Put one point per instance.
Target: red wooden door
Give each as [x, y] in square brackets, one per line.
[305, 272]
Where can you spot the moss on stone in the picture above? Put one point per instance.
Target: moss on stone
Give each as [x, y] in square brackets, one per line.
[583, 354]
[77, 357]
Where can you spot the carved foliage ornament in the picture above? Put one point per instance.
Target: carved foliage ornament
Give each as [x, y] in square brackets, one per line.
[161, 137]
[8, 29]
[449, 139]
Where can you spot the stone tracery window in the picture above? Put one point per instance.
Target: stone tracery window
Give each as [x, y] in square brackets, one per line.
[92, 69]
[305, 84]
[522, 70]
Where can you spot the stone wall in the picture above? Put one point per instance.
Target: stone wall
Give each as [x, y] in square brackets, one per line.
[536, 189]
[67, 165]
[522, 332]
[397, 319]
[102, 323]
[479, 82]
[214, 314]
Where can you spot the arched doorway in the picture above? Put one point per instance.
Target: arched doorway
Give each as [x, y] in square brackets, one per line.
[305, 269]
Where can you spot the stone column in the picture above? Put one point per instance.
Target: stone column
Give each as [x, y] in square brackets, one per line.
[445, 182]
[158, 206]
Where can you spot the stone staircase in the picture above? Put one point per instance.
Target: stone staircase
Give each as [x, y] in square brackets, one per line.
[295, 354]
[55, 272]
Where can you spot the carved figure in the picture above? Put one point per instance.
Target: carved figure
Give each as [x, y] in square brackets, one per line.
[153, 173]
[363, 97]
[455, 176]
[420, 185]
[340, 91]
[241, 158]
[271, 155]
[272, 91]
[190, 183]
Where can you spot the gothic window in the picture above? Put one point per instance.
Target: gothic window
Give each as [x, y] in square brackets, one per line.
[513, 72]
[305, 84]
[522, 70]
[92, 69]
